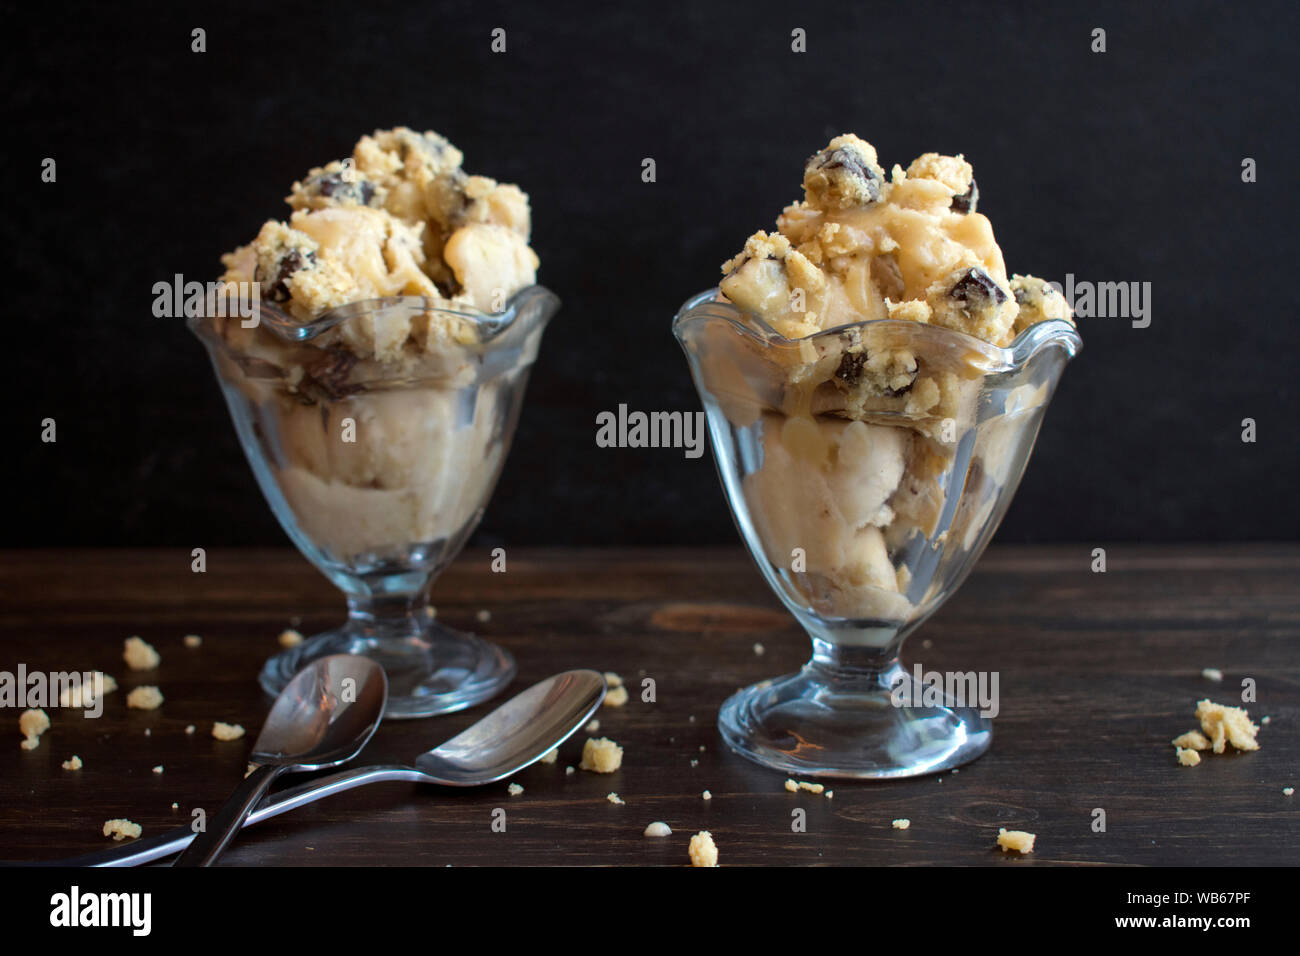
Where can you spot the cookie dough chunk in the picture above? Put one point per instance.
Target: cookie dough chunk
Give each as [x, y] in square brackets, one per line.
[280, 253]
[336, 184]
[843, 175]
[971, 300]
[954, 172]
[1038, 301]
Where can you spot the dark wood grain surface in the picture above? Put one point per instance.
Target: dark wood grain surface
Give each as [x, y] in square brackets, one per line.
[1098, 672]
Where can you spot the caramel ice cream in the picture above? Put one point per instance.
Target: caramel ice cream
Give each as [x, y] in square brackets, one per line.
[856, 464]
[385, 424]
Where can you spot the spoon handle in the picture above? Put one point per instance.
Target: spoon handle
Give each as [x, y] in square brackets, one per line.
[207, 845]
[151, 848]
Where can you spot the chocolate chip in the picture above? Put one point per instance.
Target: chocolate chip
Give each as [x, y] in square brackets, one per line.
[325, 379]
[977, 288]
[291, 263]
[966, 201]
[850, 164]
[850, 368]
[335, 186]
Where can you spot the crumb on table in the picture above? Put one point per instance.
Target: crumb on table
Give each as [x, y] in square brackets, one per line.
[139, 656]
[702, 850]
[1017, 840]
[223, 731]
[601, 755]
[120, 829]
[31, 724]
[144, 698]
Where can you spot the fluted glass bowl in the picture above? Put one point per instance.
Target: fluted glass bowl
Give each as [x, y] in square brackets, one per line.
[865, 499]
[379, 470]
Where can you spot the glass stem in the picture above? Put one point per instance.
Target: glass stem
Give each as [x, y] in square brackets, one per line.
[853, 665]
[389, 615]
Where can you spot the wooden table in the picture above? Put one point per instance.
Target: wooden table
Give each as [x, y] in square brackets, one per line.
[1098, 672]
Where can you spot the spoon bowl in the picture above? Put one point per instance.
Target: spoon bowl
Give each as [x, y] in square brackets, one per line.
[324, 716]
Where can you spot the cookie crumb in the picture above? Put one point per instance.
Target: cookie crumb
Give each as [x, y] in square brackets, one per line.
[702, 850]
[568, 771]
[73, 764]
[658, 829]
[139, 656]
[551, 757]
[120, 829]
[1211, 673]
[1288, 791]
[514, 790]
[430, 611]
[158, 769]
[1188, 757]
[707, 795]
[759, 650]
[31, 724]
[830, 794]
[483, 616]
[592, 727]
[289, 638]
[616, 697]
[601, 755]
[694, 762]
[901, 824]
[615, 799]
[1017, 840]
[175, 805]
[190, 729]
[1192, 740]
[792, 786]
[192, 640]
[224, 731]
[144, 698]
[1226, 725]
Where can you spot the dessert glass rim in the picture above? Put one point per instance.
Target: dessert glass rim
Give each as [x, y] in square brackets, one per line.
[490, 325]
[709, 305]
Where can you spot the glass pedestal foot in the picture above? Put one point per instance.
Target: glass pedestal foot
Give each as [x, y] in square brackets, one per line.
[436, 671]
[818, 723]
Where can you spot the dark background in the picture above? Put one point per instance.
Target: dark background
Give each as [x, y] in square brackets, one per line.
[1122, 166]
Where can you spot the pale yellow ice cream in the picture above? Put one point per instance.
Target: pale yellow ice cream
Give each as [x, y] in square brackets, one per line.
[859, 430]
[387, 429]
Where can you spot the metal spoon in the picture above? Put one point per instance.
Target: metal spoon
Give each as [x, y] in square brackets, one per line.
[324, 717]
[515, 735]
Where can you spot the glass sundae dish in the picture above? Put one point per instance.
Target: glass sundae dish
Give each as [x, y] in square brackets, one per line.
[874, 384]
[378, 391]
